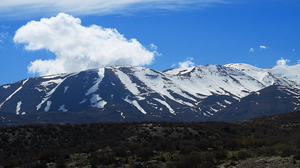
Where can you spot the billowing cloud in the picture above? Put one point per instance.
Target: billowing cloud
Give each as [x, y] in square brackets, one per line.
[251, 49]
[78, 47]
[282, 62]
[99, 6]
[186, 64]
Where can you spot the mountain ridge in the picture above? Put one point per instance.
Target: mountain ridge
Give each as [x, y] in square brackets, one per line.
[189, 94]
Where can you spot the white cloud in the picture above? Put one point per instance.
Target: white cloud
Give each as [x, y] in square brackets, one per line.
[282, 62]
[77, 47]
[263, 47]
[293, 49]
[251, 50]
[98, 6]
[187, 64]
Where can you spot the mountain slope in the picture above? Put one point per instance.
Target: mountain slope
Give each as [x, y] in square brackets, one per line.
[126, 93]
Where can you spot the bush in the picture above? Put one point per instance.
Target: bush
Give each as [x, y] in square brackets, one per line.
[145, 153]
[188, 149]
[242, 154]
[220, 154]
[202, 144]
[285, 150]
[120, 150]
[47, 155]
[232, 144]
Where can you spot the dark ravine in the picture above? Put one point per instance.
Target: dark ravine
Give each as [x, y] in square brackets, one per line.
[125, 93]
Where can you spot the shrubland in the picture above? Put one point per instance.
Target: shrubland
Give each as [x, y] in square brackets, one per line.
[149, 144]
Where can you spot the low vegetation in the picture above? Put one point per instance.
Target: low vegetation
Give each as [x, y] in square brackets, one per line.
[149, 144]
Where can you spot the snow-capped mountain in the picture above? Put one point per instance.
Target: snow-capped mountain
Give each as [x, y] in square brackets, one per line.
[126, 93]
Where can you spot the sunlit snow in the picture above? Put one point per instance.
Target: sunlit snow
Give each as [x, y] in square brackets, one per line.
[95, 87]
[18, 108]
[132, 87]
[14, 93]
[97, 101]
[166, 104]
[6, 86]
[136, 104]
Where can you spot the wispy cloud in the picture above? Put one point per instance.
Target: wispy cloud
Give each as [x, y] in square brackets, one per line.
[251, 49]
[5, 27]
[282, 62]
[78, 47]
[263, 47]
[153, 47]
[3, 36]
[101, 7]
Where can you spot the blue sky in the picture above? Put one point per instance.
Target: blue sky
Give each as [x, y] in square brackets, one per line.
[156, 34]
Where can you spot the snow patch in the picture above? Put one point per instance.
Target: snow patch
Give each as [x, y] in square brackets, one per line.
[49, 94]
[6, 86]
[132, 87]
[162, 84]
[227, 102]
[96, 101]
[66, 88]
[152, 104]
[53, 76]
[206, 115]
[50, 82]
[62, 108]
[95, 87]
[209, 113]
[14, 93]
[121, 114]
[136, 104]
[38, 89]
[220, 104]
[212, 109]
[83, 101]
[166, 104]
[18, 108]
[47, 108]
